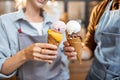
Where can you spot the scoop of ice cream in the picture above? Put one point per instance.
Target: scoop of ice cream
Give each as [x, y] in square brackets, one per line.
[58, 26]
[73, 27]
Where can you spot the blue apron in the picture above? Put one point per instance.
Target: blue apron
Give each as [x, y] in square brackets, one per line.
[106, 65]
[37, 70]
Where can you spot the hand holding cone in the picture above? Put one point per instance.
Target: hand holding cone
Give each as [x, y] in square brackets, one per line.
[72, 34]
[76, 43]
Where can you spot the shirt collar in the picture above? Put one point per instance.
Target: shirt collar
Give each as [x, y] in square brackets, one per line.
[20, 15]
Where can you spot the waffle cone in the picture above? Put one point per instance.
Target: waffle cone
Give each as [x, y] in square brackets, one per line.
[51, 40]
[76, 43]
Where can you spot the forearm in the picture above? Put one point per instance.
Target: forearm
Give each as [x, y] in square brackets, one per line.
[13, 63]
[86, 53]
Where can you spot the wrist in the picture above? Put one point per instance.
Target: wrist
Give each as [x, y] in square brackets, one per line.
[23, 56]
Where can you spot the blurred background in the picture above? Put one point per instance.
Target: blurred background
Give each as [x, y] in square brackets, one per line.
[65, 10]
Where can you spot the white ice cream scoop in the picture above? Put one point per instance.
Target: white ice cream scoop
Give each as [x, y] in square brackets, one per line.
[73, 27]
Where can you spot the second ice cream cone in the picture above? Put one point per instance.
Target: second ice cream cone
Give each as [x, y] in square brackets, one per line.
[76, 43]
[73, 37]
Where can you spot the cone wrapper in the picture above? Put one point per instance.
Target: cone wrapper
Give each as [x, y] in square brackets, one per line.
[76, 43]
[51, 40]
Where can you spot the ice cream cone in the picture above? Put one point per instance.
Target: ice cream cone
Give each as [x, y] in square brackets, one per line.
[73, 37]
[55, 34]
[76, 43]
[51, 40]
[54, 37]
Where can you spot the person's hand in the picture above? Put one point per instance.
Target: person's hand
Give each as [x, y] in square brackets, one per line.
[69, 51]
[41, 52]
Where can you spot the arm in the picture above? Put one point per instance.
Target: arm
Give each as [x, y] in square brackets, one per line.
[89, 43]
[5, 52]
[13, 63]
[8, 64]
[38, 51]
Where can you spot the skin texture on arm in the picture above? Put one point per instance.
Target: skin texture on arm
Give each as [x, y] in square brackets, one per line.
[38, 51]
[12, 63]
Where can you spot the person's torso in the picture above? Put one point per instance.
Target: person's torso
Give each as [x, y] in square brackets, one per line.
[107, 55]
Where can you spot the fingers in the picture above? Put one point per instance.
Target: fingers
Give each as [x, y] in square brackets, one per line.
[71, 56]
[41, 51]
[48, 61]
[45, 58]
[44, 55]
[37, 49]
[66, 43]
[49, 52]
[44, 51]
[46, 46]
[69, 49]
